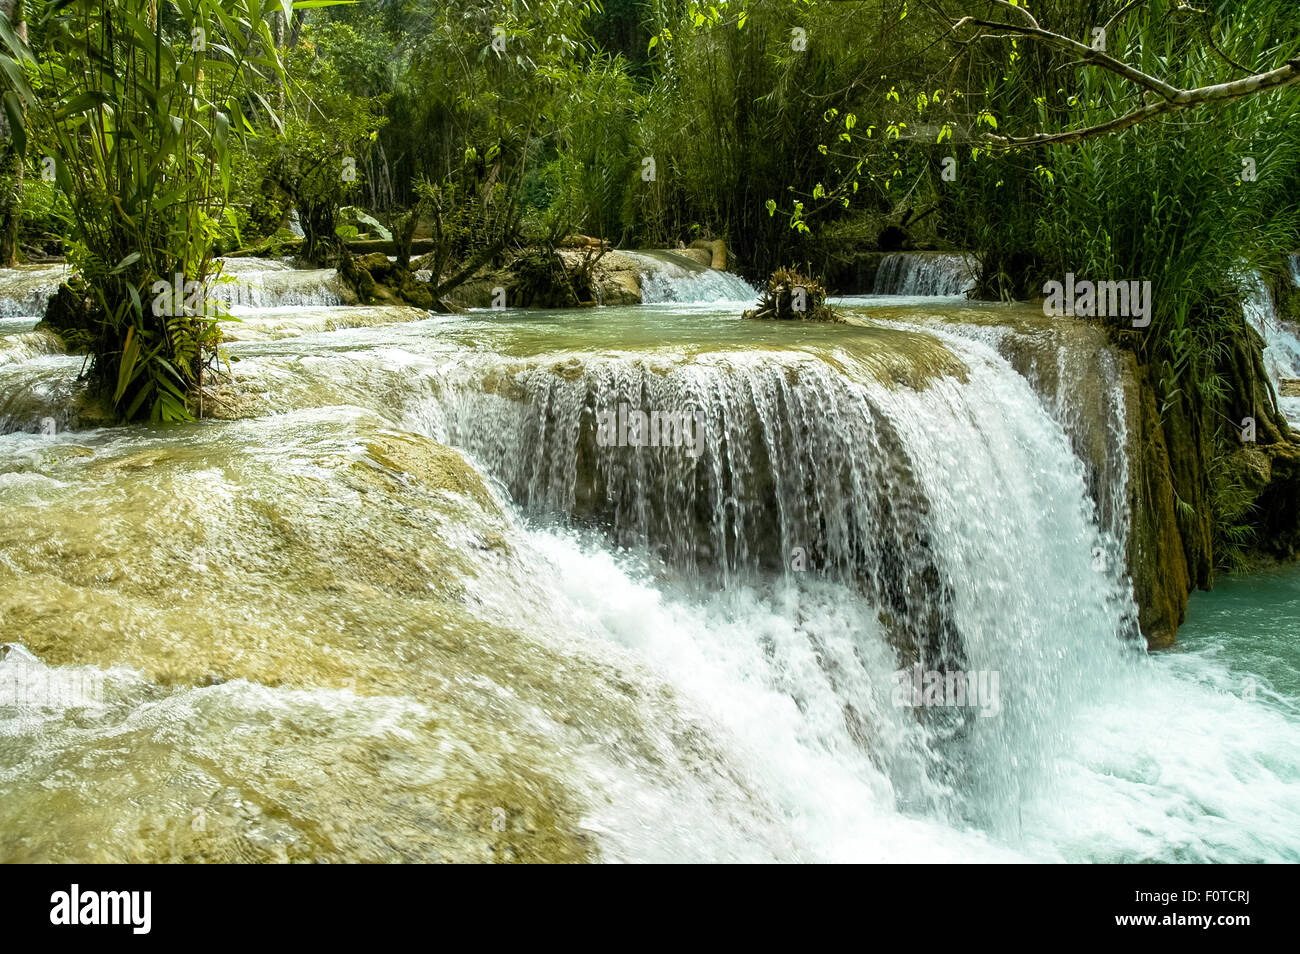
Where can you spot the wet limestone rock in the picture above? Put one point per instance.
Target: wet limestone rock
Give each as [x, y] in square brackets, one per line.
[702, 256]
[616, 279]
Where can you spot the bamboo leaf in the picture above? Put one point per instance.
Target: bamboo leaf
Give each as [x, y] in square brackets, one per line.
[17, 46]
[83, 103]
[126, 369]
[124, 263]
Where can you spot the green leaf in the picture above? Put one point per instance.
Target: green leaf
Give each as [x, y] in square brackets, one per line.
[83, 103]
[126, 369]
[17, 78]
[17, 122]
[18, 47]
[129, 260]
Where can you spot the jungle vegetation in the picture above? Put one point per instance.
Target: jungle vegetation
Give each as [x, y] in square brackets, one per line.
[1149, 139]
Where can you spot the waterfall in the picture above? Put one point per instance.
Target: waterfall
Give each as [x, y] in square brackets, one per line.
[1281, 344]
[680, 634]
[26, 345]
[254, 283]
[24, 291]
[1080, 381]
[942, 274]
[246, 283]
[964, 561]
[271, 299]
[668, 277]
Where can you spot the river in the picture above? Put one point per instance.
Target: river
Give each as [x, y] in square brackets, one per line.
[409, 601]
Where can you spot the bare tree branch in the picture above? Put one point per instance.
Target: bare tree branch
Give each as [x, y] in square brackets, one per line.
[1085, 52]
[1171, 98]
[1185, 99]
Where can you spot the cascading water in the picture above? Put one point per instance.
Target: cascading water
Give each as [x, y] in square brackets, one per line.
[672, 652]
[798, 456]
[942, 274]
[252, 283]
[670, 278]
[25, 291]
[1079, 381]
[1281, 345]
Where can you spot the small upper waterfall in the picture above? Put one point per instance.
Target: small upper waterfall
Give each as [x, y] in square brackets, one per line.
[244, 283]
[268, 298]
[1281, 344]
[251, 283]
[24, 291]
[668, 277]
[943, 274]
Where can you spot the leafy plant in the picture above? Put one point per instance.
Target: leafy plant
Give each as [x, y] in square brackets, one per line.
[137, 104]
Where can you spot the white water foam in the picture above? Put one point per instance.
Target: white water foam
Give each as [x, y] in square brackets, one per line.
[669, 278]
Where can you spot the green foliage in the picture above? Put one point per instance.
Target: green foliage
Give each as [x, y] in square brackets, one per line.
[599, 161]
[769, 120]
[1164, 202]
[44, 207]
[1233, 504]
[138, 105]
[318, 155]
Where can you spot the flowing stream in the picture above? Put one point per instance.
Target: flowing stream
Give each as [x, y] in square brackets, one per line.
[428, 589]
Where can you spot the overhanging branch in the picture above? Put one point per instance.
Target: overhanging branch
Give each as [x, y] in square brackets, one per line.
[1170, 98]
